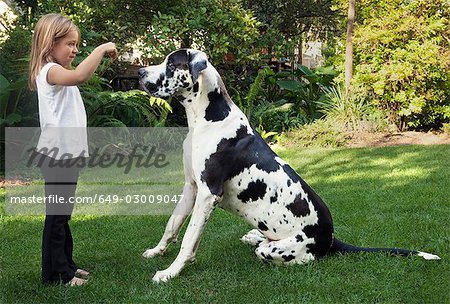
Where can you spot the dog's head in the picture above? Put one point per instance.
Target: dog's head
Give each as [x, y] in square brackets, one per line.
[179, 71]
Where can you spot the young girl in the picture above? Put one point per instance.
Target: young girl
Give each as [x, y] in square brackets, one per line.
[54, 47]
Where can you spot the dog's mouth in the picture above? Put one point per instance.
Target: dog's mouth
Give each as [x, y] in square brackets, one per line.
[149, 87]
[153, 90]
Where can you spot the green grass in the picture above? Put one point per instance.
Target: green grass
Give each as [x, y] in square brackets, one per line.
[393, 196]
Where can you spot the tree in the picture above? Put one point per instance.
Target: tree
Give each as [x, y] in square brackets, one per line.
[349, 47]
[294, 20]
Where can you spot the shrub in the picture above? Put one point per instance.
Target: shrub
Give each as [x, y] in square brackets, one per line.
[402, 61]
[321, 133]
[446, 128]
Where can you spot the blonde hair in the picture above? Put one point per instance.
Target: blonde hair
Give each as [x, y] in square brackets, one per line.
[48, 30]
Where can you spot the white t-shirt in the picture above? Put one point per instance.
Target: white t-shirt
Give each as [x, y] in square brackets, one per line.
[62, 118]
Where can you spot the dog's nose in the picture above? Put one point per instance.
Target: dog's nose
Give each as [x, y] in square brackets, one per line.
[142, 72]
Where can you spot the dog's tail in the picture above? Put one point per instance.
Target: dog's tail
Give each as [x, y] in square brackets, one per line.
[341, 247]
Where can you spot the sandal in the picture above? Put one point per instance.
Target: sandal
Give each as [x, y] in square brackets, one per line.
[76, 282]
[83, 274]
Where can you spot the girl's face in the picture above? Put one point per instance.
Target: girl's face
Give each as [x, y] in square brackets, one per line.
[65, 50]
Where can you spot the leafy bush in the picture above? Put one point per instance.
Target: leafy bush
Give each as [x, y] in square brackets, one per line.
[321, 133]
[345, 118]
[353, 114]
[402, 61]
[121, 109]
[446, 128]
[283, 101]
[278, 117]
[306, 88]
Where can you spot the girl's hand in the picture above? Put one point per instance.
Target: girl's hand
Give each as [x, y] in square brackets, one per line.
[109, 49]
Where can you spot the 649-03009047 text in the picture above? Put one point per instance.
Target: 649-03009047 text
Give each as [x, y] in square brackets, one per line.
[100, 199]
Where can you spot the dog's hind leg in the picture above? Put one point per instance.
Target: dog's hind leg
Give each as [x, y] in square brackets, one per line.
[253, 237]
[291, 250]
[175, 222]
[203, 207]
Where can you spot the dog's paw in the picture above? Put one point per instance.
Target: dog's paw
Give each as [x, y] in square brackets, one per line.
[253, 237]
[152, 252]
[163, 276]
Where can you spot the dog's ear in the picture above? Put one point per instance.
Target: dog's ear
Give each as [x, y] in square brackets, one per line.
[198, 61]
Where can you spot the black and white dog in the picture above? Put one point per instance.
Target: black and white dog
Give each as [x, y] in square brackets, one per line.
[227, 164]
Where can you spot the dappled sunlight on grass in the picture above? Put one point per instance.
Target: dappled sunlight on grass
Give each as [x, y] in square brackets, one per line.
[386, 197]
[384, 167]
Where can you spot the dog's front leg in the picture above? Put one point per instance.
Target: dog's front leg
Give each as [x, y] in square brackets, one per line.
[175, 222]
[204, 205]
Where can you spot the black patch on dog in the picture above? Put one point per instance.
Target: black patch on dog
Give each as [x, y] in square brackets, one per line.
[179, 59]
[255, 190]
[234, 155]
[274, 198]
[322, 232]
[288, 258]
[291, 173]
[299, 207]
[299, 238]
[195, 89]
[262, 226]
[153, 87]
[218, 108]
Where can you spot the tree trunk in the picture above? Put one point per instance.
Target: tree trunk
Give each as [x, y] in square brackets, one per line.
[349, 47]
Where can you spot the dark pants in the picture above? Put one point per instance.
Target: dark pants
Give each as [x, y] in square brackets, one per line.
[61, 178]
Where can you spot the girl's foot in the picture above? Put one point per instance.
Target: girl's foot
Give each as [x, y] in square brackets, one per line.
[82, 274]
[76, 282]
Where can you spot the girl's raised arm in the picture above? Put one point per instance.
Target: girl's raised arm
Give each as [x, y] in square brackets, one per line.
[62, 76]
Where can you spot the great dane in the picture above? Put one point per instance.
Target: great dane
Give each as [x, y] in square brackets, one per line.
[228, 164]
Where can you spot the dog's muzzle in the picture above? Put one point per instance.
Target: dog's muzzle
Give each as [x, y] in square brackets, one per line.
[146, 85]
[150, 87]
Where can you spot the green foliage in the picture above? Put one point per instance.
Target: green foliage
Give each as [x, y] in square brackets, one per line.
[295, 18]
[218, 27]
[320, 133]
[119, 109]
[305, 88]
[283, 101]
[15, 102]
[402, 61]
[277, 117]
[247, 104]
[347, 110]
[402, 53]
[12, 54]
[446, 128]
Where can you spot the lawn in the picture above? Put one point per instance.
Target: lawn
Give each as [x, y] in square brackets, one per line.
[392, 197]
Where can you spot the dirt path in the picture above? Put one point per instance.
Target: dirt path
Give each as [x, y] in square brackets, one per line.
[398, 139]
